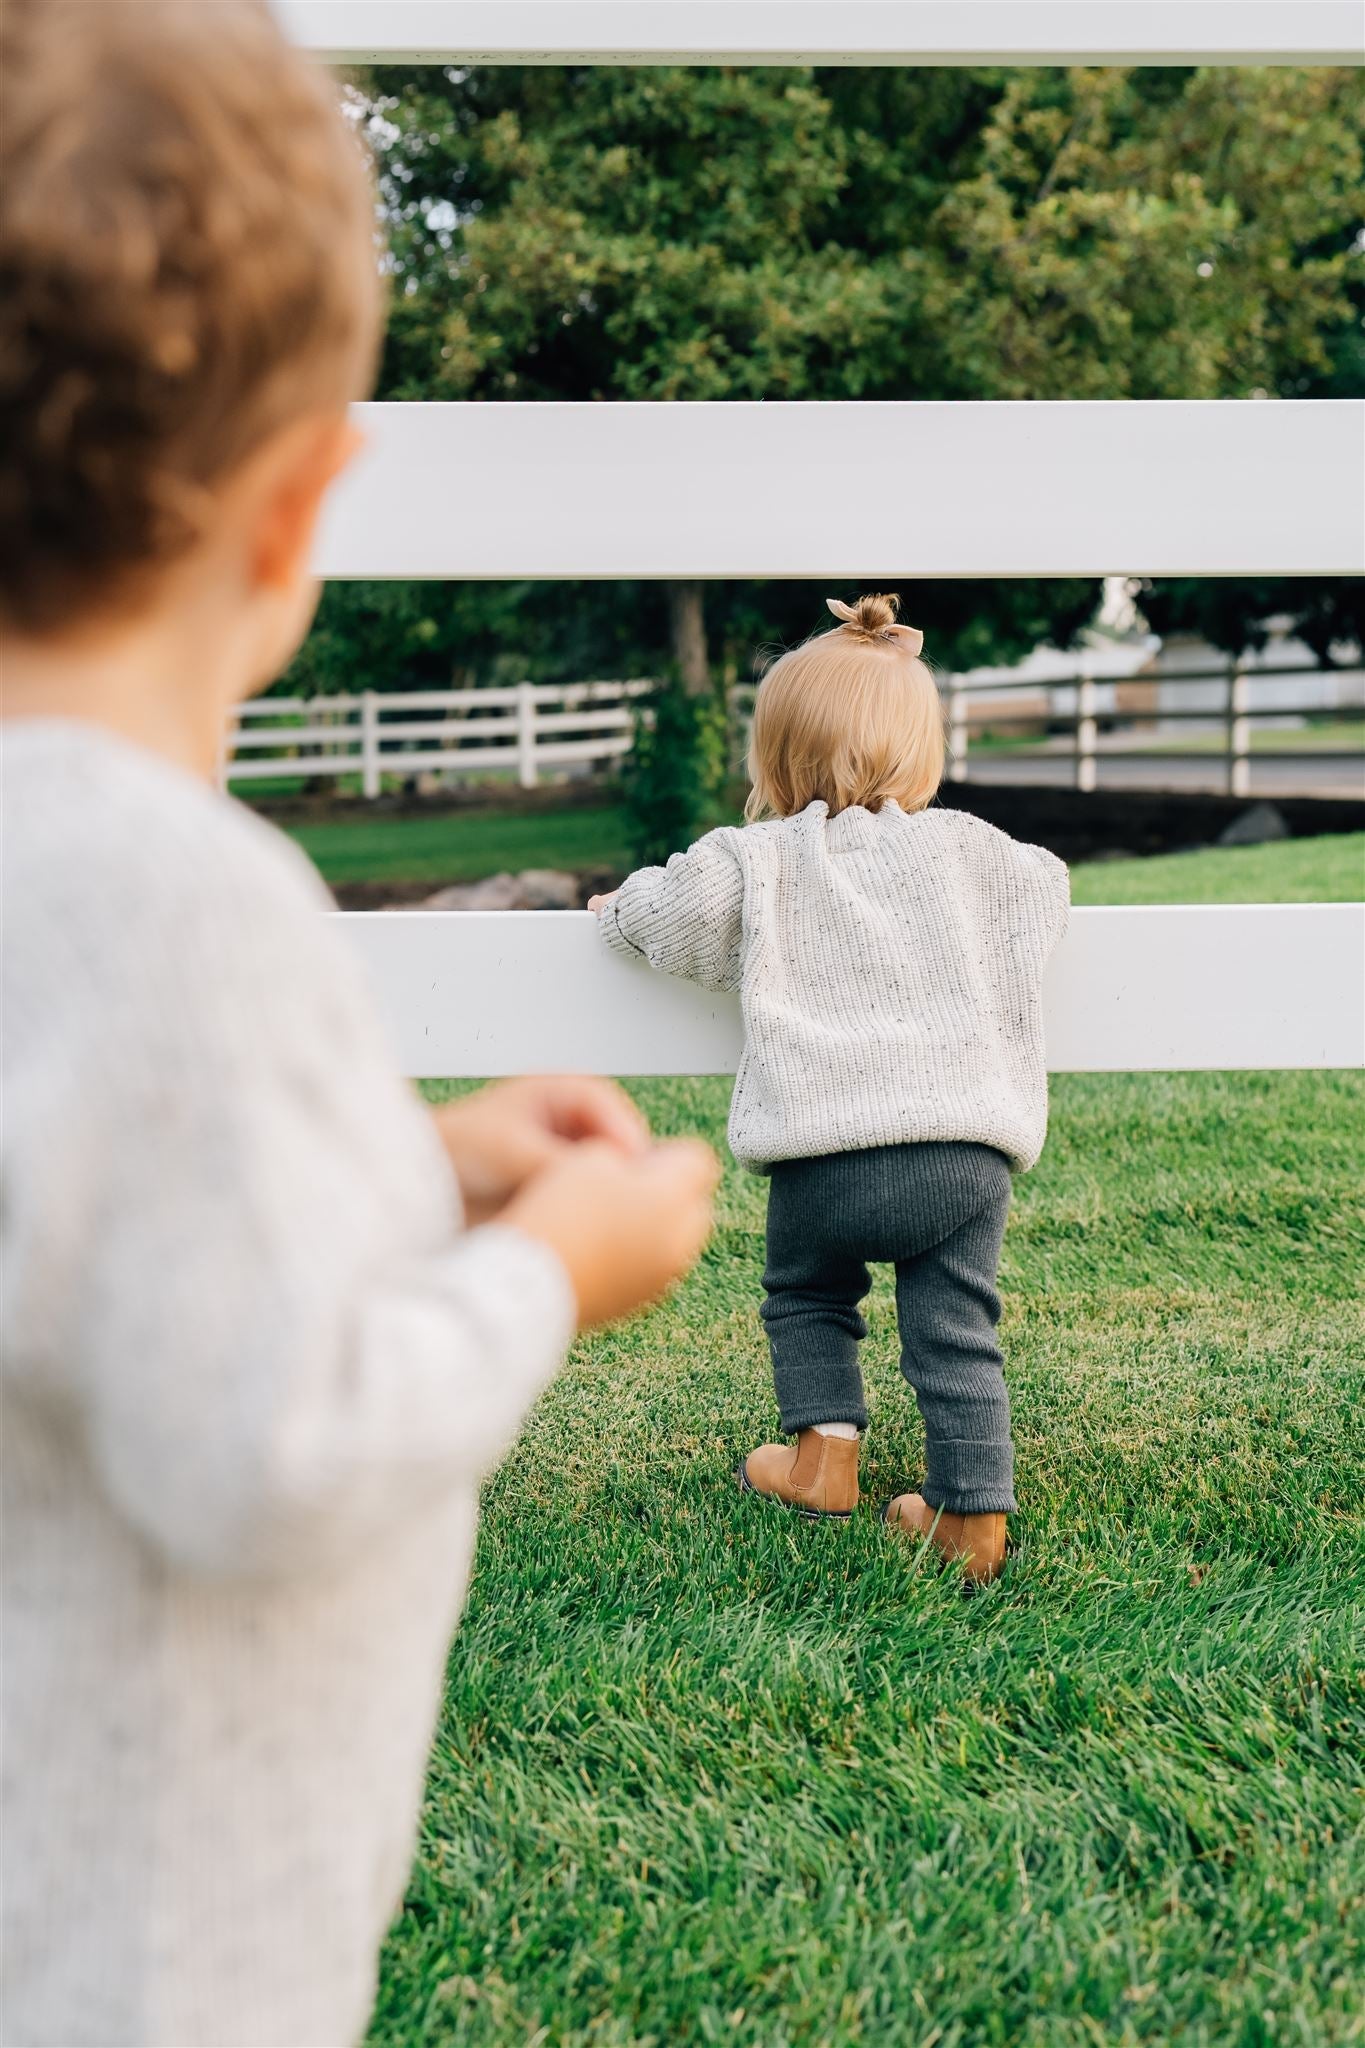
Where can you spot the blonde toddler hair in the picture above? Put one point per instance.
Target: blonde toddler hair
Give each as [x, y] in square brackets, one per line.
[853, 717]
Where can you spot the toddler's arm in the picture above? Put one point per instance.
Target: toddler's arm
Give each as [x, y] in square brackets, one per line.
[1051, 886]
[273, 1339]
[686, 918]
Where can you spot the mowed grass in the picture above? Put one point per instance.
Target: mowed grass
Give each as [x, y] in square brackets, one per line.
[1330, 869]
[451, 846]
[454, 846]
[707, 1773]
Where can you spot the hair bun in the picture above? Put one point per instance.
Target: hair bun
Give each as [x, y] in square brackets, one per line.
[874, 618]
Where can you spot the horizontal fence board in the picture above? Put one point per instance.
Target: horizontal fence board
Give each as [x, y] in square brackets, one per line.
[448, 729]
[463, 759]
[619, 720]
[853, 490]
[829, 31]
[609, 746]
[283, 707]
[298, 736]
[1169, 988]
[592, 693]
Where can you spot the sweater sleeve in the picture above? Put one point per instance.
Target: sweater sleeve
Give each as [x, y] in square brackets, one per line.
[1051, 881]
[686, 918]
[280, 1344]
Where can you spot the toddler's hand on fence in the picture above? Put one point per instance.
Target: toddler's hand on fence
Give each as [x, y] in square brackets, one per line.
[626, 1229]
[500, 1138]
[601, 902]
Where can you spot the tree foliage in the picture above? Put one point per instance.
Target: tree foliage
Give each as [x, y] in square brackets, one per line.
[697, 233]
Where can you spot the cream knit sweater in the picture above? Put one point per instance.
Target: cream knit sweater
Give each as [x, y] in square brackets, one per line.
[252, 1375]
[888, 968]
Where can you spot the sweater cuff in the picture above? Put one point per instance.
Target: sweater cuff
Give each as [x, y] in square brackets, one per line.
[609, 924]
[528, 1314]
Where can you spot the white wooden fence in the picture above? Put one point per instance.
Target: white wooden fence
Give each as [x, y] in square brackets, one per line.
[854, 491]
[1183, 986]
[857, 492]
[1082, 717]
[829, 31]
[519, 730]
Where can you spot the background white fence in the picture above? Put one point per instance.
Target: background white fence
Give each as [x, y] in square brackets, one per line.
[518, 730]
[525, 730]
[1079, 711]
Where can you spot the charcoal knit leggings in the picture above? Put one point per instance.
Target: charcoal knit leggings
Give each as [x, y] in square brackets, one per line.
[937, 1212]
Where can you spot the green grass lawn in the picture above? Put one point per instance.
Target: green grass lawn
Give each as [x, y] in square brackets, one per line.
[707, 1773]
[1326, 870]
[449, 846]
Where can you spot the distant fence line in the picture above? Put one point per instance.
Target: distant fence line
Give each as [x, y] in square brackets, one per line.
[523, 730]
[519, 729]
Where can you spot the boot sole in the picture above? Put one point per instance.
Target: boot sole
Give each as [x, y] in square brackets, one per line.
[793, 1507]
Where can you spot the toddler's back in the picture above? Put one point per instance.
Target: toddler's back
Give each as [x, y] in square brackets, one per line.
[889, 967]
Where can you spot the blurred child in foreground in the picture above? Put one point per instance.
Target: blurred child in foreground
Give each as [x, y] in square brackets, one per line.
[255, 1361]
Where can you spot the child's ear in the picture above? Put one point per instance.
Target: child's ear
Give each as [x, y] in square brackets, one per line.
[295, 475]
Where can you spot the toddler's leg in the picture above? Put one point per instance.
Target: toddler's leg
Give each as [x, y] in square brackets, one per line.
[949, 1309]
[811, 1312]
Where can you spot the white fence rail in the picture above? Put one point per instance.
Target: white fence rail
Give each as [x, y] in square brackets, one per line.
[525, 730]
[1082, 719]
[828, 31]
[1129, 990]
[1105, 731]
[519, 730]
[853, 490]
[857, 491]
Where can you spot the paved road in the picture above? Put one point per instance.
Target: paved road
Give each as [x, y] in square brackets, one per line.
[1268, 778]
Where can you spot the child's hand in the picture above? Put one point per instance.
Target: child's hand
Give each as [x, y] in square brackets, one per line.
[625, 1228]
[500, 1138]
[601, 902]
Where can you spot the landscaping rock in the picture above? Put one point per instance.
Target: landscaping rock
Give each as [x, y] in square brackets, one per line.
[536, 889]
[1255, 827]
[550, 889]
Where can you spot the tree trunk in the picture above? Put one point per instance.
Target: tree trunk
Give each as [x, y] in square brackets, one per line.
[687, 630]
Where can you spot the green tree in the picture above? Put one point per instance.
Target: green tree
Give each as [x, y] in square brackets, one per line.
[692, 233]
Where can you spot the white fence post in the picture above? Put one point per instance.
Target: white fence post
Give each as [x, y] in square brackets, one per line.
[1087, 733]
[1239, 732]
[959, 701]
[526, 736]
[369, 744]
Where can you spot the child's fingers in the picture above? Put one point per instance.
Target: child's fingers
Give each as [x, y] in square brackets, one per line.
[688, 1162]
[580, 1107]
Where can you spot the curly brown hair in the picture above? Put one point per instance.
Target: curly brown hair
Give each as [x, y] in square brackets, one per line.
[187, 262]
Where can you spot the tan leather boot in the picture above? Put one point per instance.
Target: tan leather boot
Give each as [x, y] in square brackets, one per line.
[975, 1541]
[817, 1475]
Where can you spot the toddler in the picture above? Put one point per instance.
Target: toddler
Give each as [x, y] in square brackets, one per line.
[888, 958]
[254, 1366]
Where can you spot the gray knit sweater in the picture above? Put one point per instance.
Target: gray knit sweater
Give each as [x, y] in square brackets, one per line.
[888, 968]
[252, 1375]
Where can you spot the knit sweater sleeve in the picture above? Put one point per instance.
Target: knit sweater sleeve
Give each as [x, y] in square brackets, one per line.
[1047, 883]
[686, 918]
[280, 1344]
